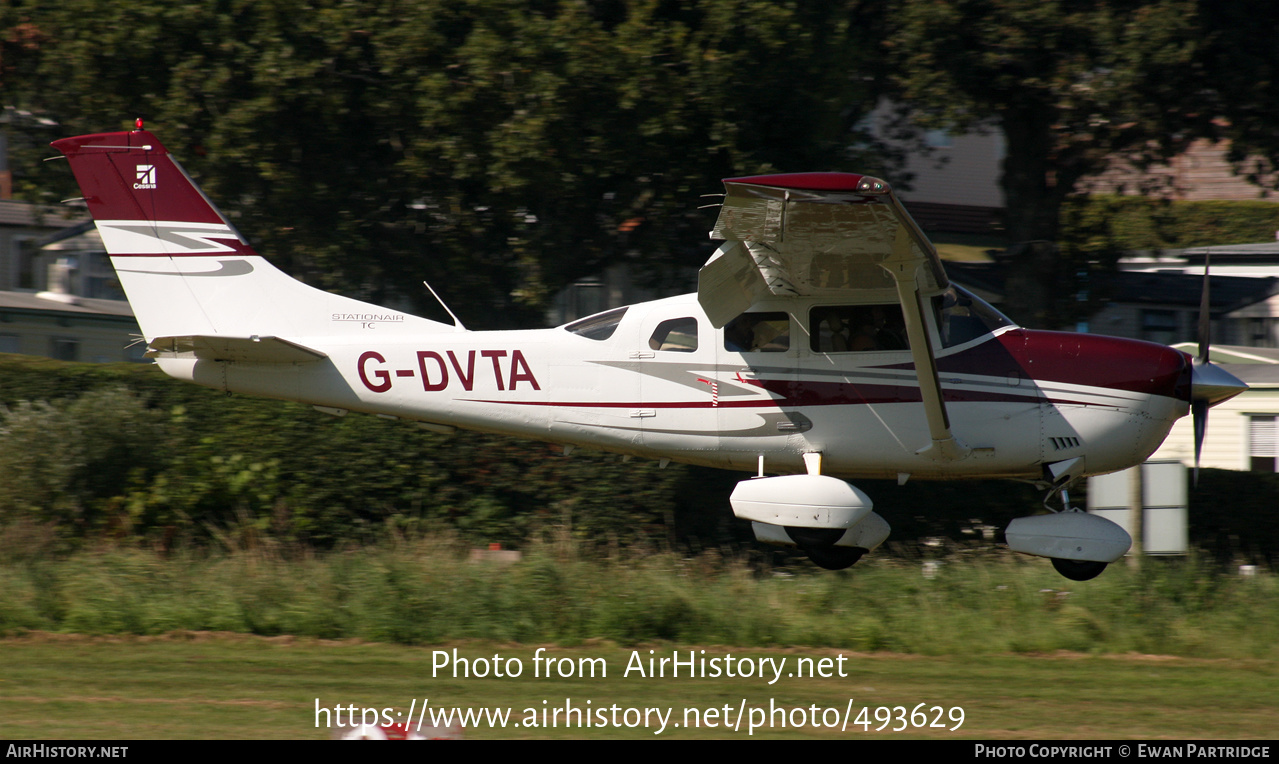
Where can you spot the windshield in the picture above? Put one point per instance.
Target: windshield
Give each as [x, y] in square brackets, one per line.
[599, 326]
[963, 316]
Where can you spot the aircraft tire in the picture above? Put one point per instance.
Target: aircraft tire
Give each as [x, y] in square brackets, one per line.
[834, 557]
[814, 537]
[1078, 570]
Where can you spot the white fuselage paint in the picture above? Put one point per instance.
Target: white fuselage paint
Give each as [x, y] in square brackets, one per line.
[706, 406]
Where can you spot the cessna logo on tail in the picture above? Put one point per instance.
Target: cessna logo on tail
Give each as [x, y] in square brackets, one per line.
[145, 176]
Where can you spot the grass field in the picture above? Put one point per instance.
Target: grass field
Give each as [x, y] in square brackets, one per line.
[425, 593]
[129, 643]
[232, 686]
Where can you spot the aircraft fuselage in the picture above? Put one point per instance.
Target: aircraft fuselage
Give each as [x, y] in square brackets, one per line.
[1021, 398]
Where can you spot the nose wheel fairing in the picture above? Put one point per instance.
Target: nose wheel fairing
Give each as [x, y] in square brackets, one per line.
[1070, 535]
[829, 519]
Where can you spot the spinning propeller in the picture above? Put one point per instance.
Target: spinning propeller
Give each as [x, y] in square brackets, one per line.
[1209, 384]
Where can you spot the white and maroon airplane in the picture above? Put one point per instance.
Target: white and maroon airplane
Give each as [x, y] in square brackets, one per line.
[824, 342]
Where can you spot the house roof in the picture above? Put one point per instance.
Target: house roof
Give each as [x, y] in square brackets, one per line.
[1235, 354]
[30, 215]
[73, 306]
[76, 238]
[1238, 254]
[1256, 375]
[1229, 293]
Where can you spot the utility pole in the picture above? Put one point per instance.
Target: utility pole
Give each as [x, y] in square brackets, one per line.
[1136, 513]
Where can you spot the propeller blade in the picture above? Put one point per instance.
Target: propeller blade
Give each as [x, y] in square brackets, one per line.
[1209, 383]
[1199, 412]
[1205, 316]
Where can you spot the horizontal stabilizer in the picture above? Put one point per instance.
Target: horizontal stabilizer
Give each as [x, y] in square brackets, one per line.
[240, 349]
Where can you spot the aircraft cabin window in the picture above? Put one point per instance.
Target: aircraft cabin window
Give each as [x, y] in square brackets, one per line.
[963, 316]
[678, 335]
[758, 333]
[857, 328]
[599, 326]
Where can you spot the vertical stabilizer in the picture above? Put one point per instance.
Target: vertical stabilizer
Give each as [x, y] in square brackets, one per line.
[184, 267]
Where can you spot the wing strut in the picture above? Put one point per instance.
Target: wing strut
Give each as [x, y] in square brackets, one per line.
[834, 236]
[904, 268]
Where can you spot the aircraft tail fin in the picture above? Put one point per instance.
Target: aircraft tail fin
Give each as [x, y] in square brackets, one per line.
[184, 267]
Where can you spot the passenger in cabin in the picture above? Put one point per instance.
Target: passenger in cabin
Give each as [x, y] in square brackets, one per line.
[858, 328]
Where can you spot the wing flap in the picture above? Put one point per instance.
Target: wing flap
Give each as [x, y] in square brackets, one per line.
[254, 349]
[729, 284]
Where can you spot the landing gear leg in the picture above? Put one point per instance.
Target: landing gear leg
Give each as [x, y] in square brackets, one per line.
[1064, 490]
[1075, 570]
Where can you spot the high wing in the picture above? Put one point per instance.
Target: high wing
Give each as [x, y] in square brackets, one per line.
[829, 234]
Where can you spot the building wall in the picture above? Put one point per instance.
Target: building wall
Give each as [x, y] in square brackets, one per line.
[71, 338]
[1226, 445]
[21, 222]
[1201, 173]
[961, 170]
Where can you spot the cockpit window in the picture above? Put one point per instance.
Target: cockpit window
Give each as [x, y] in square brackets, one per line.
[599, 326]
[857, 328]
[963, 316]
[678, 335]
[758, 333]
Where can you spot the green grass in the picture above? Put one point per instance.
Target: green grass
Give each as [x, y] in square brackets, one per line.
[226, 686]
[426, 592]
[124, 642]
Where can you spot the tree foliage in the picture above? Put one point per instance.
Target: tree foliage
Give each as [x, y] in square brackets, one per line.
[503, 149]
[119, 449]
[1071, 85]
[499, 148]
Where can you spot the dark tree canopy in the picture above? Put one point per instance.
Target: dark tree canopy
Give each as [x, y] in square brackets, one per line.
[504, 148]
[1070, 84]
[499, 148]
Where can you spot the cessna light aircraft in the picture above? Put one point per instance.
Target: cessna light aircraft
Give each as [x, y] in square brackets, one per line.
[824, 342]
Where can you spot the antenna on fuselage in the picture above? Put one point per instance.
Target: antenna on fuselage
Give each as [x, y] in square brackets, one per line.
[457, 324]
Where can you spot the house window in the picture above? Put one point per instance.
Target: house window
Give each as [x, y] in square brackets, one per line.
[9, 343]
[939, 139]
[64, 349]
[587, 297]
[1263, 443]
[1159, 326]
[26, 260]
[1260, 332]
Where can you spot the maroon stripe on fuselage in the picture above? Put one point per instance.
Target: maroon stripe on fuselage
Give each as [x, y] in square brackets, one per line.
[1092, 360]
[807, 394]
[1027, 358]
